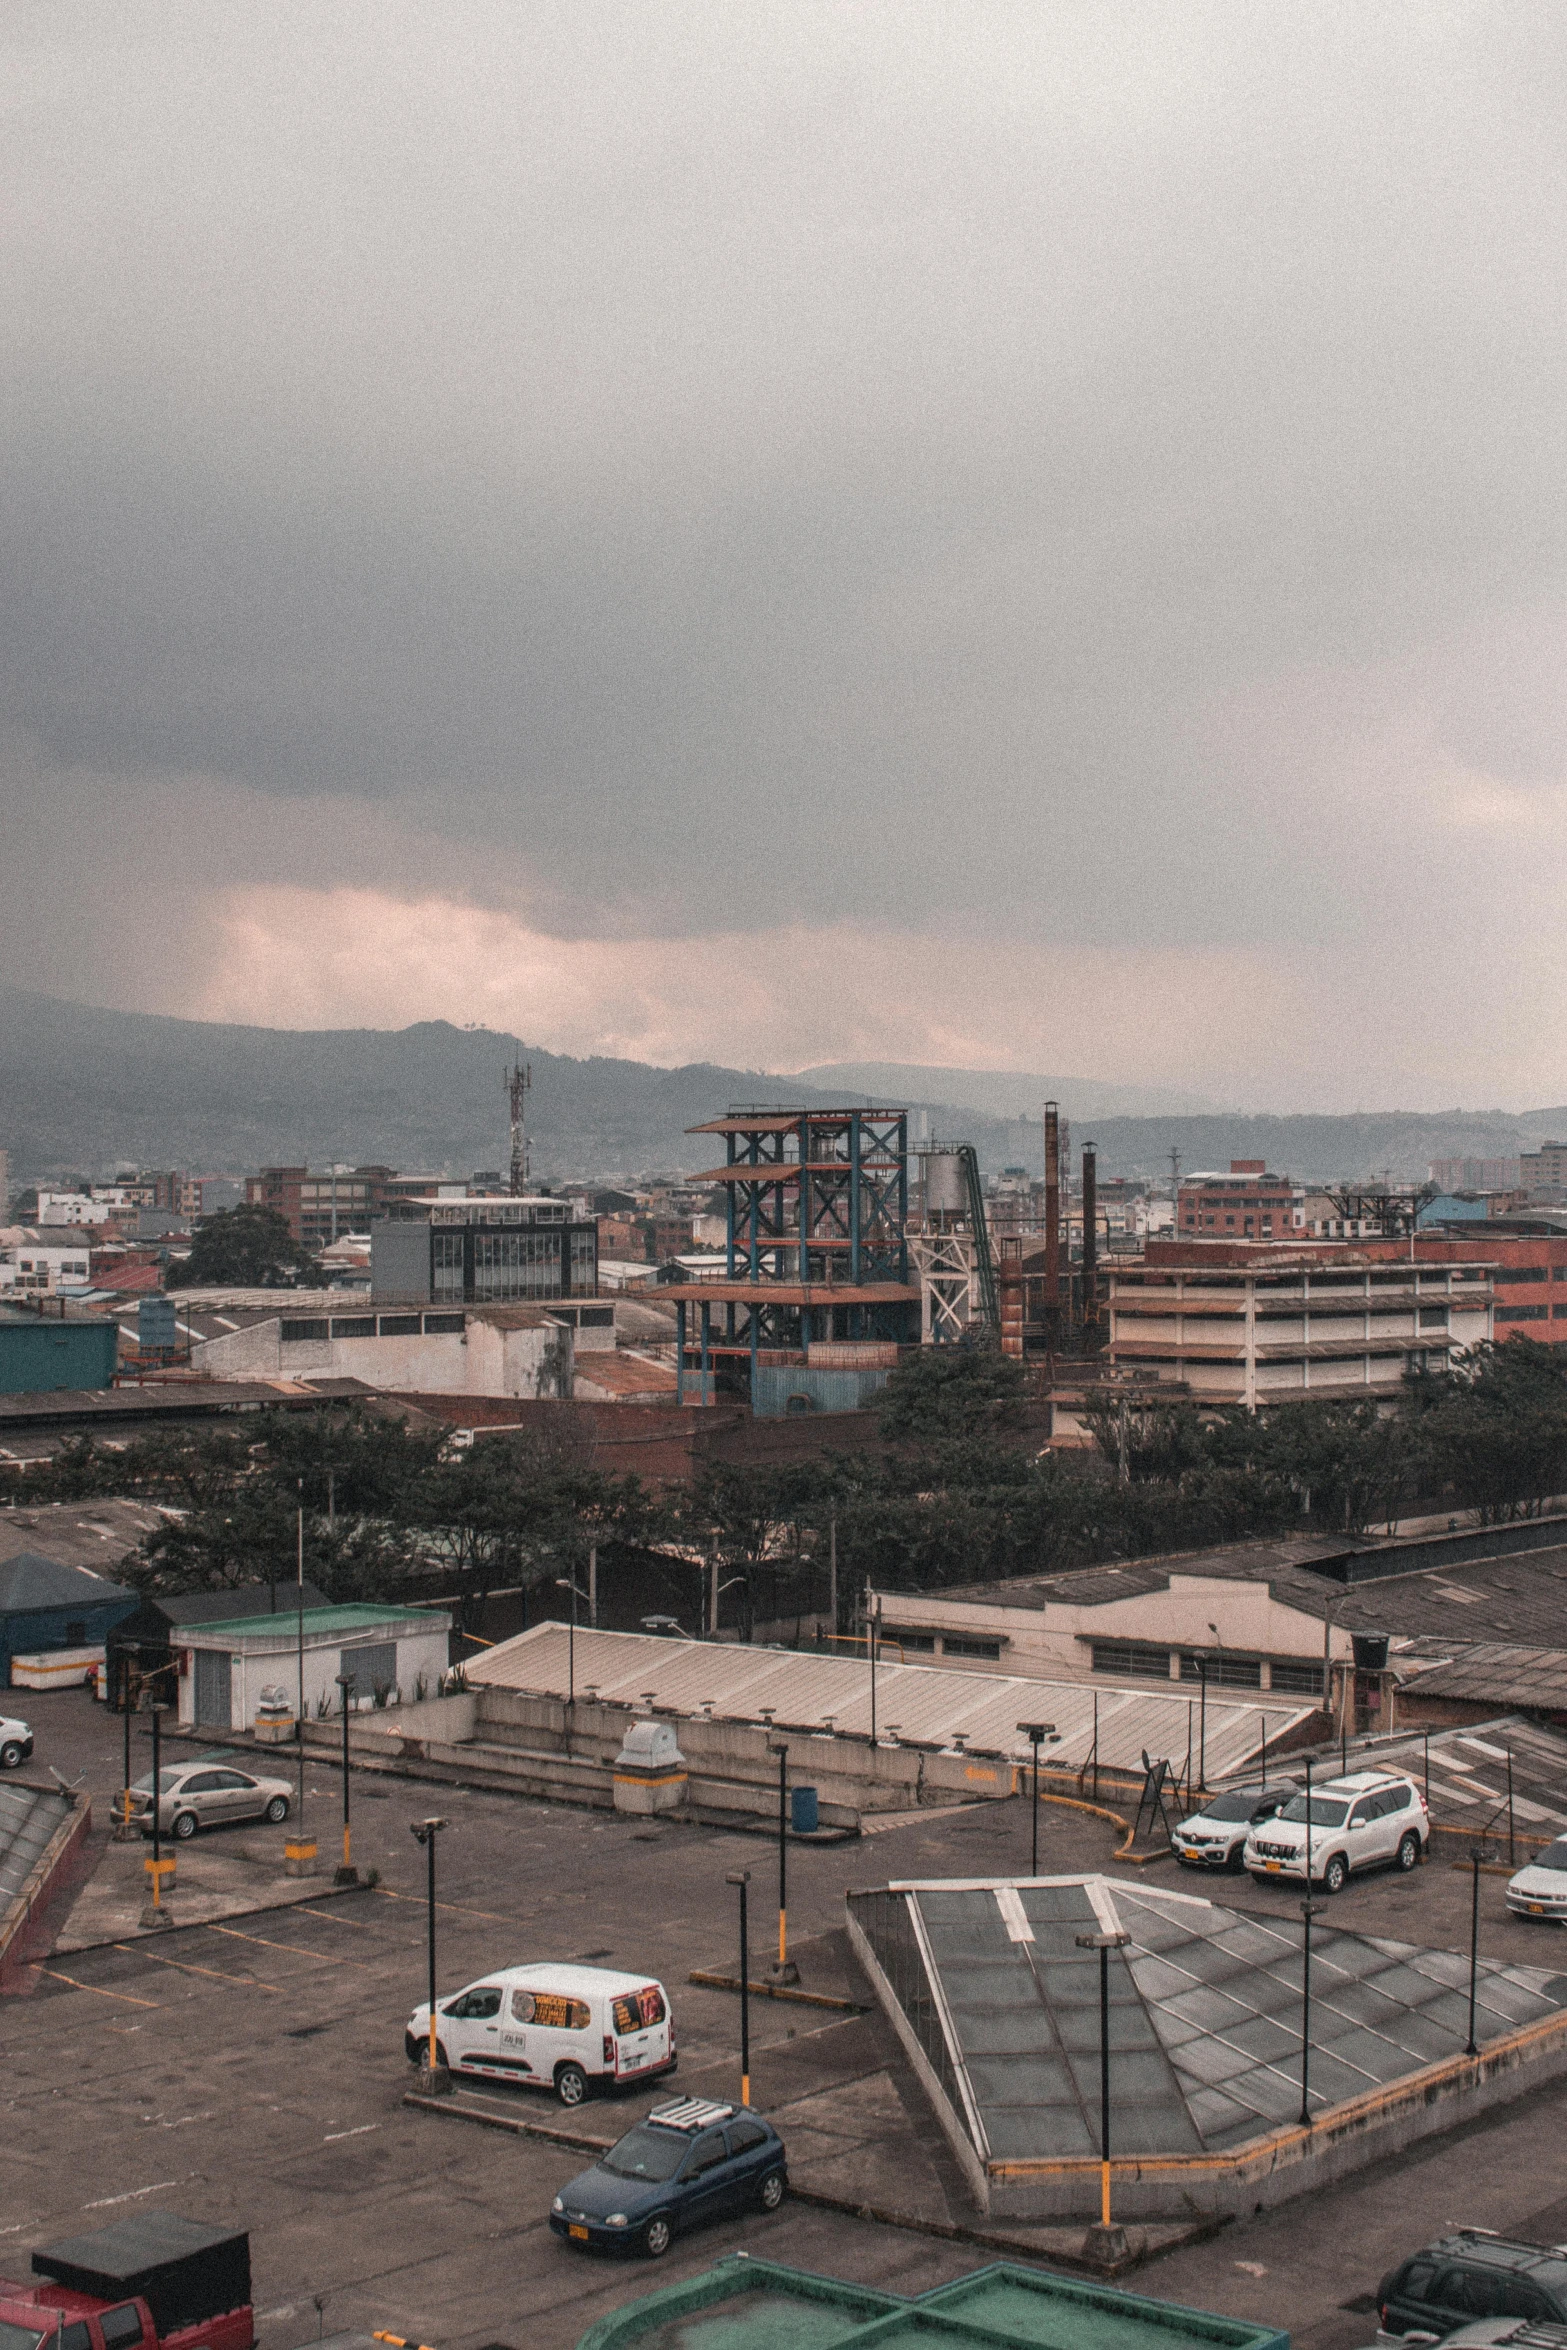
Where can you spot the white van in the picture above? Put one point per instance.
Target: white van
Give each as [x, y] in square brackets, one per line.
[551, 2027]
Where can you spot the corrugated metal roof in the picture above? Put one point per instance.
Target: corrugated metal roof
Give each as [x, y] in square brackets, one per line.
[1495, 1673]
[30, 1818]
[1465, 1770]
[924, 1704]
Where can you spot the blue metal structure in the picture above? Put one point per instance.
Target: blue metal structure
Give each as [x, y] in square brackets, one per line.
[46, 1605]
[816, 1236]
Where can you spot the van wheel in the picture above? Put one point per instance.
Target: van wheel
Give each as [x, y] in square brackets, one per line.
[184, 1825]
[1408, 1850]
[771, 2191]
[655, 2237]
[571, 2084]
[1334, 1874]
[276, 1810]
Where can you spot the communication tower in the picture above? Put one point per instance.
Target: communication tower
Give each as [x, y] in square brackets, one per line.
[518, 1086]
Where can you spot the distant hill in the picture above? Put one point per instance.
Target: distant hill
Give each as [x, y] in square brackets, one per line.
[84, 1090]
[1003, 1093]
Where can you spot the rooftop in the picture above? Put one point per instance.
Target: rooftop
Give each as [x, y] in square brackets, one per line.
[1205, 2011]
[320, 1623]
[928, 1705]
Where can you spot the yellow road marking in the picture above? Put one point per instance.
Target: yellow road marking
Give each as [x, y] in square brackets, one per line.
[214, 1974]
[360, 1925]
[102, 1994]
[494, 1917]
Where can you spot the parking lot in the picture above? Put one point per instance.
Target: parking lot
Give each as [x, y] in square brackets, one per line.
[252, 2071]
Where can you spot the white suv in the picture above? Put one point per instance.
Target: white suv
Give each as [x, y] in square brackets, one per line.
[1360, 1822]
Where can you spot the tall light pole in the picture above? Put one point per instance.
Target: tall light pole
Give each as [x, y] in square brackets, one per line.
[347, 1874]
[569, 1583]
[742, 1878]
[785, 1971]
[299, 1853]
[1477, 1854]
[1104, 1944]
[872, 1619]
[1036, 1733]
[1308, 1910]
[434, 2080]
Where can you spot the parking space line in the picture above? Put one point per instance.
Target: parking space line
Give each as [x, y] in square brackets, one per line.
[492, 1917]
[360, 1925]
[97, 1988]
[295, 1949]
[184, 1967]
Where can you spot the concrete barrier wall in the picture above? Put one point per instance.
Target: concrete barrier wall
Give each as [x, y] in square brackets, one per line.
[540, 1746]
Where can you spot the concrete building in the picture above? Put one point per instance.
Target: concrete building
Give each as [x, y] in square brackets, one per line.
[224, 1666]
[1475, 1174]
[43, 1263]
[1247, 1203]
[75, 1207]
[1543, 1173]
[515, 1350]
[1258, 1324]
[458, 1248]
[319, 1207]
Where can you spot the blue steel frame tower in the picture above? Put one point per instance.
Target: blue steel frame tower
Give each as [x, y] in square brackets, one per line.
[817, 1215]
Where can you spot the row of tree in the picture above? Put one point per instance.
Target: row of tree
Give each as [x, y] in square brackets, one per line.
[954, 1494]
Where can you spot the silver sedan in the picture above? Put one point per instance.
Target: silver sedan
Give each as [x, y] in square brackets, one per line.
[207, 1795]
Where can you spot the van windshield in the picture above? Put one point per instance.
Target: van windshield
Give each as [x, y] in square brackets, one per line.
[641, 2154]
[1325, 1813]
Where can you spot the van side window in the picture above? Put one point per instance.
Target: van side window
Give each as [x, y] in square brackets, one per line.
[556, 2012]
[121, 2327]
[522, 2007]
[481, 2003]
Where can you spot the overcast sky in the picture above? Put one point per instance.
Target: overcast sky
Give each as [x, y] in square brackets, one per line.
[1028, 536]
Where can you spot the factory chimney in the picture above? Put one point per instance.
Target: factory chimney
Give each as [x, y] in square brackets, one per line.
[1090, 1240]
[1052, 1226]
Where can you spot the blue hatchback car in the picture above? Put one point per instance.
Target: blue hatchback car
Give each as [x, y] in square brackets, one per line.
[690, 2161]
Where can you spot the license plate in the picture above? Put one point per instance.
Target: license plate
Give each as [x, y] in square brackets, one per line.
[1536, 1909]
[581, 2234]
[628, 2064]
[1272, 1867]
[1189, 1852]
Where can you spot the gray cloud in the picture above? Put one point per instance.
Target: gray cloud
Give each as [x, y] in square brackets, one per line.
[1084, 475]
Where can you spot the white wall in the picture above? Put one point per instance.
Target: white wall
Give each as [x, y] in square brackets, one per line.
[484, 1359]
[272, 1661]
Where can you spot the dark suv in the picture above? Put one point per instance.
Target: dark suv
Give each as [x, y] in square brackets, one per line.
[1473, 2275]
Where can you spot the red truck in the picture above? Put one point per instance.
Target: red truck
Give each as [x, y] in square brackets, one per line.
[155, 2282]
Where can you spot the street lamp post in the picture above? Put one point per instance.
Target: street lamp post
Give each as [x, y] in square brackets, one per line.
[1036, 1733]
[347, 1874]
[872, 1619]
[1308, 1910]
[1104, 1944]
[785, 1971]
[1478, 1853]
[1202, 1729]
[742, 1878]
[569, 1583]
[299, 1853]
[434, 2080]
[154, 1914]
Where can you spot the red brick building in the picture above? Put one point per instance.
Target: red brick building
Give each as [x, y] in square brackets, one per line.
[1246, 1204]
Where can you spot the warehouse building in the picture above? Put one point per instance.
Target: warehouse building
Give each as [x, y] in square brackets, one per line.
[40, 1352]
[483, 1249]
[225, 1666]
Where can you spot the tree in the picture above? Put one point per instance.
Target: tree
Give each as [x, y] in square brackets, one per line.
[242, 1248]
[941, 1394]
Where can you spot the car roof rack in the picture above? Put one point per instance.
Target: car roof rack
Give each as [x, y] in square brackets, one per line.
[689, 2113]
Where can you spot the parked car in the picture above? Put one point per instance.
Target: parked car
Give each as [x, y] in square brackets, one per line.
[16, 1743]
[1474, 2276]
[690, 2161]
[1359, 1822]
[1215, 1837]
[1539, 1890]
[552, 2027]
[206, 1795]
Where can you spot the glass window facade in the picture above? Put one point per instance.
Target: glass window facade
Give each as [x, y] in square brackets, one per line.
[446, 1268]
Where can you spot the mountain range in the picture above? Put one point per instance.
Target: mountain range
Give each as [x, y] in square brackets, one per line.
[85, 1090]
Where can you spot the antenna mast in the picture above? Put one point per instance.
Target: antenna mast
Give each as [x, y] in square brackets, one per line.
[519, 1084]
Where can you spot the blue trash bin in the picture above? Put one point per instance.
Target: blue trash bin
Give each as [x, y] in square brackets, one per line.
[803, 1815]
